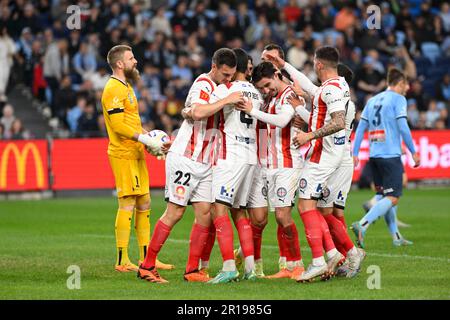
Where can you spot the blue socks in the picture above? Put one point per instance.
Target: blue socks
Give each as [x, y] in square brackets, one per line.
[391, 220]
[378, 210]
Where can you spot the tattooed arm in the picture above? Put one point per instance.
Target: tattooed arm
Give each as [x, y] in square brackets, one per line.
[336, 124]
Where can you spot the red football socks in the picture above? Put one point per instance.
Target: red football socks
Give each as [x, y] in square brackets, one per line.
[224, 231]
[313, 230]
[328, 243]
[245, 233]
[257, 240]
[206, 253]
[160, 235]
[339, 233]
[290, 236]
[197, 241]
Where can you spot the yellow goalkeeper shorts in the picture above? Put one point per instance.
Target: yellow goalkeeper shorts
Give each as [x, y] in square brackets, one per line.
[131, 176]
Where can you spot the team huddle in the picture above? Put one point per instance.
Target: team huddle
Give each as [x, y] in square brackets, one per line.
[238, 151]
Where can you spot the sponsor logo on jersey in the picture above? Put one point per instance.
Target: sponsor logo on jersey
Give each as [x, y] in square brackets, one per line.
[339, 140]
[246, 140]
[340, 196]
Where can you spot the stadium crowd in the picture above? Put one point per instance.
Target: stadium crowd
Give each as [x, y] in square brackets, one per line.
[173, 42]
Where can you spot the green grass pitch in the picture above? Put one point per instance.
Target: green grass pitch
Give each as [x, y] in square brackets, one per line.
[39, 240]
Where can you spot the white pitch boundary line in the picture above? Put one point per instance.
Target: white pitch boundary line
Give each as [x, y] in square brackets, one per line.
[375, 254]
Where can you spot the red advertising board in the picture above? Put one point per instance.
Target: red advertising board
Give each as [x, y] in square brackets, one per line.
[23, 165]
[433, 148]
[83, 164]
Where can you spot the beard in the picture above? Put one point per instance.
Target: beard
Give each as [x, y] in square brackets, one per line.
[132, 75]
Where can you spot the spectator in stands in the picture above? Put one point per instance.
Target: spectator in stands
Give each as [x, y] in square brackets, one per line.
[432, 114]
[56, 65]
[416, 93]
[182, 70]
[87, 125]
[8, 117]
[84, 63]
[369, 80]
[75, 113]
[444, 14]
[296, 55]
[7, 50]
[200, 27]
[413, 113]
[160, 23]
[344, 19]
[17, 131]
[65, 98]
[443, 91]
[2, 131]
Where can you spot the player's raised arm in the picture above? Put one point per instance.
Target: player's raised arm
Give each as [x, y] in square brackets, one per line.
[301, 78]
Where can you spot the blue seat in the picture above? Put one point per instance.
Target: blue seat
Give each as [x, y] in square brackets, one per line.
[431, 51]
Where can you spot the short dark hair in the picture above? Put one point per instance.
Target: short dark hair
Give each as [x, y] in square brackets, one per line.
[224, 56]
[263, 70]
[273, 46]
[115, 54]
[241, 59]
[344, 71]
[394, 76]
[328, 54]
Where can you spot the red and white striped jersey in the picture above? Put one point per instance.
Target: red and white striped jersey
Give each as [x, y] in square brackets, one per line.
[195, 139]
[332, 96]
[281, 151]
[237, 130]
[347, 160]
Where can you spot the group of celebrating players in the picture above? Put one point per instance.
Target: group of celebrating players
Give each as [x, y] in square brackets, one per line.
[238, 151]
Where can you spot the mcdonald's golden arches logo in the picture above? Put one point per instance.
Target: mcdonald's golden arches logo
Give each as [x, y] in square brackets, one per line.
[21, 161]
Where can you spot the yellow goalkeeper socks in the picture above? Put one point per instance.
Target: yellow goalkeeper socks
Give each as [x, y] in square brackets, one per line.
[123, 227]
[142, 227]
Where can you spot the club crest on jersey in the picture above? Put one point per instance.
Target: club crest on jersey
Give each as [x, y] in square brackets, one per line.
[339, 140]
[180, 191]
[204, 95]
[281, 192]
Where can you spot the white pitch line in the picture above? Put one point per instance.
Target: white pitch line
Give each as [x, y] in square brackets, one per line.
[375, 254]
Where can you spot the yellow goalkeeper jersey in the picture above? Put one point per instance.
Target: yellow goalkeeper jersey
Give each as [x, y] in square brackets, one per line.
[120, 109]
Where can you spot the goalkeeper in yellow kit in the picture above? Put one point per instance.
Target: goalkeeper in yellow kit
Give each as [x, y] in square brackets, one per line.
[127, 141]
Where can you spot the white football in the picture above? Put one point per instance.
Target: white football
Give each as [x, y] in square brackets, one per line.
[158, 138]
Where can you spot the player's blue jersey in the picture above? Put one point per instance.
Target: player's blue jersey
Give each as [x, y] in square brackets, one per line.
[381, 113]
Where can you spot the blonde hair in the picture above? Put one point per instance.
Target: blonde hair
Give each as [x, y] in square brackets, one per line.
[116, 53]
